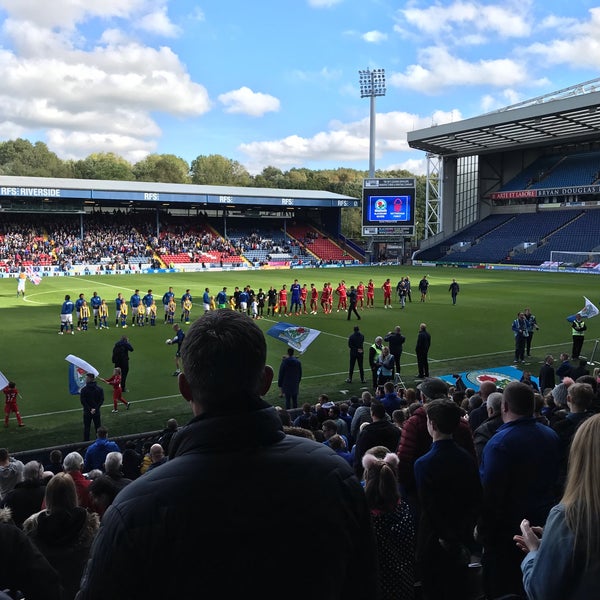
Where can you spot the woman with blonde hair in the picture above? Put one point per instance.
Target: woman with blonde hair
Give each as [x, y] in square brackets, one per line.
[392, 523]
[564, 563]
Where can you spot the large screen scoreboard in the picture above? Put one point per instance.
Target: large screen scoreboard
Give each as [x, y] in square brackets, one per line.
[388, 207]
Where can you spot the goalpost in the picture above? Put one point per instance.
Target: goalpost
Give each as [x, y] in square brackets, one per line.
[573, 259]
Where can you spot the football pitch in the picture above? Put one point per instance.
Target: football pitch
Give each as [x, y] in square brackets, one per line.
[473, 334]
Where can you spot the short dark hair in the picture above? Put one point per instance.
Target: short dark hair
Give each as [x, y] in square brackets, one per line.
[446, 415]
[519, 398]
[220, 344]
[378, 410]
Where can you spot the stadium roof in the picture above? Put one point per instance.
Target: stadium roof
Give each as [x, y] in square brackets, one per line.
[545, 121]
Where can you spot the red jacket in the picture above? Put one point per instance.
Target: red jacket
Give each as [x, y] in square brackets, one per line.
[416, 441]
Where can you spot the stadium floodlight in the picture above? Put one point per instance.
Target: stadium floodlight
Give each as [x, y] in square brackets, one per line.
[372, 84]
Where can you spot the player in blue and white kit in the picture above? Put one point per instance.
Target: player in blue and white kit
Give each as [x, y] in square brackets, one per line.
[206, 300]
[118, 303]
[135, 302]
[66, 316]
[95, 302]
[147, 302]
[78, 305]
[167, 297]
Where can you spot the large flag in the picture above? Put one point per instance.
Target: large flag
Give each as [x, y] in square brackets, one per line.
[78, 369]
[3, 381]
[34, 277]
[295, 336]
[587, 312]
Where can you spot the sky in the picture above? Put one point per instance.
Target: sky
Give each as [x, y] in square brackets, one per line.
[276, 82]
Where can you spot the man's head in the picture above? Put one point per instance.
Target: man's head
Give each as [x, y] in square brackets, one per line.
[433, 388]
[443, 417]
[580, 397]
[378, 340]
[73, 462]
[397, 329]
[517, 401]
[377, 411]
[564, 356]
[486, 388]
[102, 432]
[217, 345]
[356, 329]
[113, 463]
[422, 327]
[290, 352]
[157, 453]
[89, 377]
[494, 404]
[388, 387]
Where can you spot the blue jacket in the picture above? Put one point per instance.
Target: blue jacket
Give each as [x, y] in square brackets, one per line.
[96, 453]
[552, 572]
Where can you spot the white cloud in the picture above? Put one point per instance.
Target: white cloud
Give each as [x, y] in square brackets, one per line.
[245, 101]
[343, 142]
[417, 166]
[158, 22]
[508, 20]
[438, 69]
[374, 37]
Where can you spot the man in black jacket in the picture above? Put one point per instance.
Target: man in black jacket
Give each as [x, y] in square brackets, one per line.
[232, 479]
[356, 344]
[422, 350]
[547, 376]
[120, 358]
[92, 398]
[395, 341]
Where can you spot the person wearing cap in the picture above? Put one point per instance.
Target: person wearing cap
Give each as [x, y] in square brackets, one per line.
[416, 440]
[218, 538]
[356, 343]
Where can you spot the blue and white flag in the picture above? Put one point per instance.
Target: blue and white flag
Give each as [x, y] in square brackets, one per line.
[297, 337]
[78, 369]
[34, 277]
[3, 381]
[587, 312]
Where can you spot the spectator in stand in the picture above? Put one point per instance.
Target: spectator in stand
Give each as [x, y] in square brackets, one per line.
[361, 415]
[381, 432]
[449, 494]
[518, 472]
[11, 472]
[95, 455]
[562, 557]
[167, 434]
[27, 496]
[56, 462]
[416, 440]
[391, 401]
[73, 466]
[564, 368]
[478, 415]
[307, 418]
[547, 376]
[113, 468]
[156, 509]
[24, 570]
[483, 433]
[63, 532]
[393, 525]
[580, 370]
[131, 461]
[103, 490]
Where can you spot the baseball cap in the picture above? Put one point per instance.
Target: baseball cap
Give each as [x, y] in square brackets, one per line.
[328, 405]
[434, 388]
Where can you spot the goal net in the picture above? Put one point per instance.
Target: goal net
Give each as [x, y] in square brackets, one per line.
[590, 260]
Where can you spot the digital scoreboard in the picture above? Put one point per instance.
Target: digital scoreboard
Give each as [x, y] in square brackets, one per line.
[388, 207]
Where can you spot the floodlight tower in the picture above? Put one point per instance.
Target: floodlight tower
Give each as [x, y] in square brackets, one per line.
[372, 84]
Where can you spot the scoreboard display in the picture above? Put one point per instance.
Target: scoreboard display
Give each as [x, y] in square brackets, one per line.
[388, 207]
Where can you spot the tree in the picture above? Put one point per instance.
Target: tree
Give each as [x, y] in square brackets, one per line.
[104, 165]
[166, 168]
[218, 170]
[22, 158]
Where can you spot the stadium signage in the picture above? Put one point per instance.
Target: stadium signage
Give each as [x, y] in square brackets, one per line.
[581, 190]
[24, 191]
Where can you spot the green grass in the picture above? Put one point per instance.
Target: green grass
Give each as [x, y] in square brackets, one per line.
[471, 335]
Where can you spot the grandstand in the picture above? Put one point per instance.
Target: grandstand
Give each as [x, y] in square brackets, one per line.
[515, 185]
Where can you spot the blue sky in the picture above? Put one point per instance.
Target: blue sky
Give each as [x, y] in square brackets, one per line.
[275, 82]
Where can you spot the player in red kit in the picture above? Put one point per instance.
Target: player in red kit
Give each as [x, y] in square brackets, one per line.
[115, 381]
[342, 296]
[11, 394]
[314, 299]
[370, 293]
[325, 299]
[303, 297]
[282, 301]
[360, 295]
[387, 293]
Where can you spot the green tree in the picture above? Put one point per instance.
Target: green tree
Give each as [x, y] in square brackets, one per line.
[269, 177]
[218, 170]
[22, 158]
[166, 168]
[104, 165]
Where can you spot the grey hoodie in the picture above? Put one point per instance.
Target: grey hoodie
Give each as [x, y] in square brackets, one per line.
[10, 475]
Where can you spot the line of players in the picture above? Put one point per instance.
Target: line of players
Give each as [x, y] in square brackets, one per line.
[143, 310]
